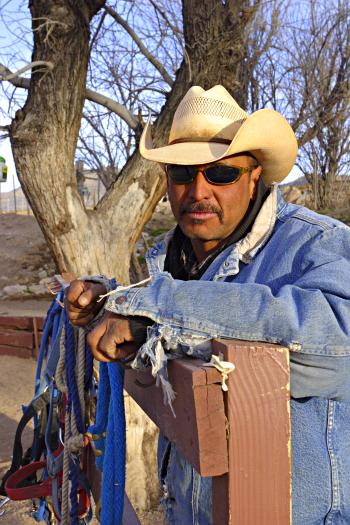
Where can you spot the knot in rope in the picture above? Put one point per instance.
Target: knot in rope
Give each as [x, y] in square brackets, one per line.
[224, 367]
[75, 444]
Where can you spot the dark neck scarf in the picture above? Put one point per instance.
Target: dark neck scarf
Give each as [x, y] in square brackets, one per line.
[181, 261]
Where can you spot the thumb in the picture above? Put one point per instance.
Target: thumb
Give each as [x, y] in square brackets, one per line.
[91, 293]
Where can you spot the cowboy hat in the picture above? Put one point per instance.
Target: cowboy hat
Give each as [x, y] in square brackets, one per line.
[210, 125]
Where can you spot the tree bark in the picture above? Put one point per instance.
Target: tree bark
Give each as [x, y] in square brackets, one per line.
[216, 35]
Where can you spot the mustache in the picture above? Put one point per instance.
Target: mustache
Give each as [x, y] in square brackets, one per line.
[203, 208]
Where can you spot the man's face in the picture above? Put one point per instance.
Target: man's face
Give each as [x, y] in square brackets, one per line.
[207, 213]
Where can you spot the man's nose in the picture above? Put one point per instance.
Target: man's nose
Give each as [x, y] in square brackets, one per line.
[200, 188]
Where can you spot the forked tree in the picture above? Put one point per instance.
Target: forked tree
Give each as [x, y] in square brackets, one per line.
[45, 131]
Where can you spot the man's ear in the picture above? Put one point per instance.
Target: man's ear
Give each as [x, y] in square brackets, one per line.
[254, 179]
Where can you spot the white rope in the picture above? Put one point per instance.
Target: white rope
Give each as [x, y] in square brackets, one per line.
[65, 480]
[121, 288]
[224, 367]
[60, 376]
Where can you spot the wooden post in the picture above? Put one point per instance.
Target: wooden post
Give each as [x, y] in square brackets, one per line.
[199, 428]
[242, 438]
[257, 488]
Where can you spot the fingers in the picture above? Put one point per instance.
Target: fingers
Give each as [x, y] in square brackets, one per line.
[83, 293]
[74, 291]
[81, 301]
[91, 294]
[111, 340]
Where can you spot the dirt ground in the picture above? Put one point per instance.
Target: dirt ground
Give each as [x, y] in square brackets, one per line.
[25, 259]
[24, 253]
[16, 388]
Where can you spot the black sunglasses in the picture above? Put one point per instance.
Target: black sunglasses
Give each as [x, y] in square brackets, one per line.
[219, 174]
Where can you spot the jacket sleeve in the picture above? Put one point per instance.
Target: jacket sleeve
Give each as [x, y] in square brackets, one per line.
[310, 316]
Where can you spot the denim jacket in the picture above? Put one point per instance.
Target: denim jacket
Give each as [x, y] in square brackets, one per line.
[286, 282]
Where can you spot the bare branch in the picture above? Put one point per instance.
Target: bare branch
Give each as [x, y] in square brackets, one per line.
[176, 30]
[114, 106]
[130, 119]
[6, 74]
[156, 63]
[98, 29]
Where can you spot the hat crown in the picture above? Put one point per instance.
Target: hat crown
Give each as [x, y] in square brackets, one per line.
[206, 116]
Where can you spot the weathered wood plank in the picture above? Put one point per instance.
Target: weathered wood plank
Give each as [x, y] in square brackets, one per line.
[21, 323]
[20, 338]
[259, 480]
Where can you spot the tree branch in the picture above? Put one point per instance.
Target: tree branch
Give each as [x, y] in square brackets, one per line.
[100, 24]
[17, 81]
[6, 74]
[176, 30]
[119, 109]
[167, 78]
[14, 80]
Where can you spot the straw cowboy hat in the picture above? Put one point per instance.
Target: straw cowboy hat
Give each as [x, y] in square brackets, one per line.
[210, 125]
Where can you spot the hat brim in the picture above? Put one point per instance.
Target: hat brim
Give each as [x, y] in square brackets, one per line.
[265, 133]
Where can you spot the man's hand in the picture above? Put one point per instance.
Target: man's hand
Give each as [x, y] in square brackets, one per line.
[81, 301]
[116, 337]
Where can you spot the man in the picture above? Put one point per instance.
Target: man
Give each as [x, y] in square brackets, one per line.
[241, 264]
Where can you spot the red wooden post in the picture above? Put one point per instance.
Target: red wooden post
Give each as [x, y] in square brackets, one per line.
[257, 488]
[242, 438]
[199, 428]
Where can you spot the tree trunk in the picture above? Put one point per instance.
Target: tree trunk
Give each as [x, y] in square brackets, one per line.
[216, 35]
[44, 133]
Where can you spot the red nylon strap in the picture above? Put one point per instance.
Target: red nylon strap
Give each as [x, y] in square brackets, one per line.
[36, 490]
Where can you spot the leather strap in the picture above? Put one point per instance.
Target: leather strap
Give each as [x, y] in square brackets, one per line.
[34, 490]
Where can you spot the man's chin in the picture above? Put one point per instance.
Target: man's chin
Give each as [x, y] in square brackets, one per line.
[198, 231]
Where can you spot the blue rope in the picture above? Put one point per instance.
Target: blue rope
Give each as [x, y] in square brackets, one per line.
[110, 418]
[111, 414]
[50, 328]
[113, 485]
